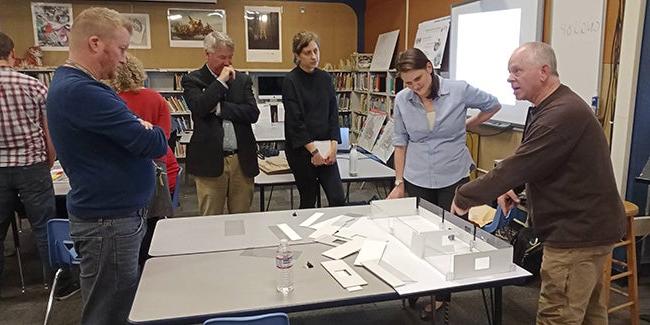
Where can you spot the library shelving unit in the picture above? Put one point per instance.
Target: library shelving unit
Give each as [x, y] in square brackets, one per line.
[372, 91]
[168, 83]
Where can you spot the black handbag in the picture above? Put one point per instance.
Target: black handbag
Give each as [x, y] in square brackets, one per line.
[528, 250]
[161, 201]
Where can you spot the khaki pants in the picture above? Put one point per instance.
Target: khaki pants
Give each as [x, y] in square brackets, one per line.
[232, 185]
[573, 288]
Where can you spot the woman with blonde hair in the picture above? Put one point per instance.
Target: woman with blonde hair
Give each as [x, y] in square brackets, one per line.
[147, 104]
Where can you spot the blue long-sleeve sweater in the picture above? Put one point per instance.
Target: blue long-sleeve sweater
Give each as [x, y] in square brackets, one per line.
[105, 151]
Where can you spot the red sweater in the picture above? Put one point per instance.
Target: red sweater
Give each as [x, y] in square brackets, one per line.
[148, 105]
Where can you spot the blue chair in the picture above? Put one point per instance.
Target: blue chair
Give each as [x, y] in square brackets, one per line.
[266, 319]
[177, 189]
[61, 253]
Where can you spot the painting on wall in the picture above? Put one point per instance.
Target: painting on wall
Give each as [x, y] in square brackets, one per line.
[51, 22]
[188, 27]
[263, 34]
[141, 35]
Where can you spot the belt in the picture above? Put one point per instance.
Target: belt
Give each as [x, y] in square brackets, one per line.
[227, 153]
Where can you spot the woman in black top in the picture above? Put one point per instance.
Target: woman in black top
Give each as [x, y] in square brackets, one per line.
[311, 116]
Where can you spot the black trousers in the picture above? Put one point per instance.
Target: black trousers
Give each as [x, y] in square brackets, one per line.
[441, 197]
[309, 177]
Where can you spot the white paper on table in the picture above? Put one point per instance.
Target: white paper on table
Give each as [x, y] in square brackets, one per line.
[372, 250]
[289, 232]
[329, 240]
[382, 273]
[420, 223]
[323, 147]
[326, 230]
[343, 273]
[355, 288]
[346, 249]
[325, 222]
[312, 219]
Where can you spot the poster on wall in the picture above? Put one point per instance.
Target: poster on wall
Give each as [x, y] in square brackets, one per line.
[188, 27]
[51, 22]
[263, 34]
[431, 38]
[141, 35]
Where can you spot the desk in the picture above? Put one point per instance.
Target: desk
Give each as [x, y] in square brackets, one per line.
[266, 133]
[192, 235]
[369, 170]
[239, 278]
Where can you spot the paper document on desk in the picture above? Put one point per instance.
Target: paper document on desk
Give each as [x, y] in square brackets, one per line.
[380, 272]
[344, 250]
[312, 219]
[372, 250]
[323, 147]
[343, 273]
[289, 232]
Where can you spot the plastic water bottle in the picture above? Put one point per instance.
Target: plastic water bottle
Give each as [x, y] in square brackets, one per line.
[284, 264]
[354, 159]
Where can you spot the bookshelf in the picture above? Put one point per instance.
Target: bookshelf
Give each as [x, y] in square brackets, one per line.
[372, 91]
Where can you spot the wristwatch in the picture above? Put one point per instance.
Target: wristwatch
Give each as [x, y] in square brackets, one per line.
[398, 182]
[314, 152]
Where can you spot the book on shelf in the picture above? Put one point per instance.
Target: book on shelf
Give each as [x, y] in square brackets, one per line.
[177, 104]
[184, 123]
[179, 151]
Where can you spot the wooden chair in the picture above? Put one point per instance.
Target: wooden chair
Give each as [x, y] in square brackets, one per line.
[629, 266]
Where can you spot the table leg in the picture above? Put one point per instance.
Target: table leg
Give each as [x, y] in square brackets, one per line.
[497, 305]
[261, 198]
[318, 203]
[291, 193]
[347, 194]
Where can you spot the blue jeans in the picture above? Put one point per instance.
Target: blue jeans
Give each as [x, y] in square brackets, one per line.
[109, 271]
[32, 185]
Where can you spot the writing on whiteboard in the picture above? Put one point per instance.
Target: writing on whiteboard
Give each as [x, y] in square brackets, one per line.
[580, 27]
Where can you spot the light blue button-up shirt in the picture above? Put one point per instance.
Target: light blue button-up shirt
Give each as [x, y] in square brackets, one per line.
[438, 157]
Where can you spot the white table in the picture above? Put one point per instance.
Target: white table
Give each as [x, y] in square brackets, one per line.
[215, 276]
[193, 235]
[368, 170]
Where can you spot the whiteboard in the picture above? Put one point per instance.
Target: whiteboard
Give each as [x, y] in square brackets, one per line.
[483, 36]
[577, 37]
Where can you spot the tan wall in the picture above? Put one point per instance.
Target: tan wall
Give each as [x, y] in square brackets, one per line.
[335, 23]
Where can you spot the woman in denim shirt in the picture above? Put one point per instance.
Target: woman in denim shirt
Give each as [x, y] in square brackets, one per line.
[430, 115]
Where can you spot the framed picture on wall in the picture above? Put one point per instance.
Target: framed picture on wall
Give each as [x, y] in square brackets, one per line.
[263, 34]
[188, 27]
[141, 35]
[51, 22]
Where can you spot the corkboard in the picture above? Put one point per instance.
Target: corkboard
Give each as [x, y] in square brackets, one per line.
[335, 23]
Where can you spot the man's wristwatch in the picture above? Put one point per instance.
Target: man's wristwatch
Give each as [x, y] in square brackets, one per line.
[314, 152]
[398, 182]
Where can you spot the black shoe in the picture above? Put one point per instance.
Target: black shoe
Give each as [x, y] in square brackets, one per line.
[66, 289]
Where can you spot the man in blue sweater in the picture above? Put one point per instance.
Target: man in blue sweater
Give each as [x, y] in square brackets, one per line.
[107, 153]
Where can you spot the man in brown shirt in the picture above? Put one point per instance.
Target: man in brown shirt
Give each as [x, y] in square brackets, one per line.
[574, 205]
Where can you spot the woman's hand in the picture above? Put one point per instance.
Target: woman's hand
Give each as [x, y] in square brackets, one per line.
[317, 160]
[397, 192]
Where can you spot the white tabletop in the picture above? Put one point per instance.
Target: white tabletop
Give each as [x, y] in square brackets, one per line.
[199, 286]
[191, 235]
